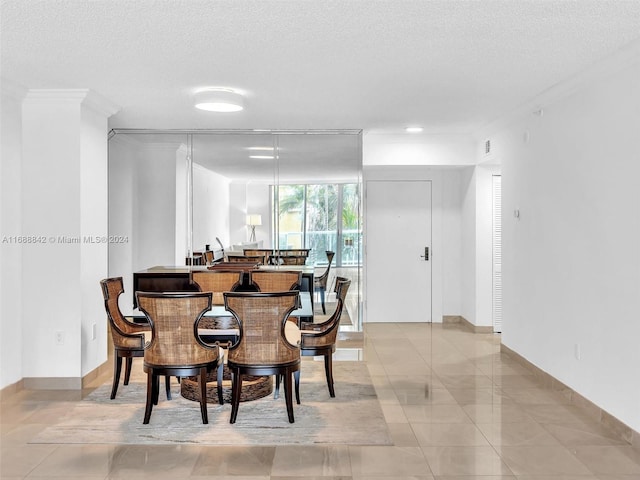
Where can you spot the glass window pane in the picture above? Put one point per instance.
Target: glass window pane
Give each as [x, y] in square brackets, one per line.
[291, 216]
[322, 220]
[351, 238]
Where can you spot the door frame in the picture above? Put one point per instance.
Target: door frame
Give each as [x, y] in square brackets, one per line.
[406, 173]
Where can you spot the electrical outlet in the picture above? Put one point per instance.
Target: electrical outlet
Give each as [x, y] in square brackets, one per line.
[59, 337]
[93, 331]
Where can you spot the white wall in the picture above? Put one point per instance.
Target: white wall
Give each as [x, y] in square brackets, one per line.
[468, 243]
[64, 192]
[570, 263]
[122, 158]
[452, 242]
[476, 257]
[10, 226]
[94, 225]
[237, 215]
[210, 207]
[418, 149]
[154, 207]
[258, 202]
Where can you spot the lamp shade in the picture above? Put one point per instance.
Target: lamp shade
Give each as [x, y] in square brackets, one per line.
[219, 100]
[254, 219]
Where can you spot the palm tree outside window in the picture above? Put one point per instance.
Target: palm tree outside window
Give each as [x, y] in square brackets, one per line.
[319, 217]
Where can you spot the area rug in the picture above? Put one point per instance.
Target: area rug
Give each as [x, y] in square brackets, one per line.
[353, 417]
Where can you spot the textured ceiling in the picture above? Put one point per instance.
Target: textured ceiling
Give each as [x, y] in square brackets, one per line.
[450, 66]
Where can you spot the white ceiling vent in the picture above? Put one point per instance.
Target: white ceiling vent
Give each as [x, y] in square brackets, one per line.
[487, 147]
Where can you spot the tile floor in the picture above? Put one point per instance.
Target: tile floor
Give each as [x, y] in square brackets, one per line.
[457, 410]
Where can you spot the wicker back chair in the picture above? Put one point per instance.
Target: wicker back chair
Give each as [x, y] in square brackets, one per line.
[276, 280]
[246, 259]
[217, 282]
[293, 260]
[175, 347]
[320, 282]
[258, 252]
[208, 257]
[263, 348]
[128, 337]
[320, 338]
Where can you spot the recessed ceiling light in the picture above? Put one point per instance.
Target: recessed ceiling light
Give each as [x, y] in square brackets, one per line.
[261, 149]
[413, 129]
[262, 157]
[219, 99]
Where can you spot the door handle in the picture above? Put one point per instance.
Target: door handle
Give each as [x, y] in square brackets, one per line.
[426, 254]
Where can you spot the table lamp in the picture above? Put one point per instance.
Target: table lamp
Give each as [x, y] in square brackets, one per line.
[252, 221]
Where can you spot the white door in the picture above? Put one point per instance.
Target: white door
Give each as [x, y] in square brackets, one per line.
[397, 235]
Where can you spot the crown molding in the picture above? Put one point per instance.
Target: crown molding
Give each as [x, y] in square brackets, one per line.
[84, 96]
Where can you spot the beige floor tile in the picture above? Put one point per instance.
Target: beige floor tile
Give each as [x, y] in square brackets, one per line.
[55, 477]
[457, 368]
[616, 477]
[297, 477]
[516, 381]
[415, 381]
[390, 477]
[229, 460]
[620, 460]
[466, 381]
[560, 414]
[456, 409]
[19, 435]
[481, 460]
[479, 396]
[387, 396]
[529, 433]
[142, 475]
[542, 460]
[394, 356]
[479, 477]
[73, 461]
[402, 435]
[402, 368]
[131, 460]
[448, 434]
[424, 395]
[239, 477]
[20, 461]
[497, 413]
[535, 396]
[557, 477]
[311, 460]
[396, 461]
[575, 434]
[435, 414]
[497, 368]
[394, 413]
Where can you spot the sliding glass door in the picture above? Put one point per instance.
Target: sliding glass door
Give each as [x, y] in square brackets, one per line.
[320, 217]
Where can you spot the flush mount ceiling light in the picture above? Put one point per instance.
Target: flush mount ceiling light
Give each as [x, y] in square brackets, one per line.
[413, 129]
[219, 99]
